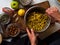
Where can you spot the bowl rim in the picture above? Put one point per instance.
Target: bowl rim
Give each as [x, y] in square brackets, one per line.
[26, 15]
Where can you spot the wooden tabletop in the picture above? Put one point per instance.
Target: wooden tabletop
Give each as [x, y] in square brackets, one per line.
[20, 20]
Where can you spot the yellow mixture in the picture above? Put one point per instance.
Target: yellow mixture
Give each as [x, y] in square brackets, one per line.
[37, 21]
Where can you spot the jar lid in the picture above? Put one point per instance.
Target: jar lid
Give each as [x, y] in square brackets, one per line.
[25, 2]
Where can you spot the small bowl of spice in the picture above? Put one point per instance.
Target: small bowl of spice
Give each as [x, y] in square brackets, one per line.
[25, 2]
[13, 30]
[4, 19]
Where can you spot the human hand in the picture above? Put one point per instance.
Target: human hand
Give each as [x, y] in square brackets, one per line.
[31, 36]
[54, 13]
[0, 38]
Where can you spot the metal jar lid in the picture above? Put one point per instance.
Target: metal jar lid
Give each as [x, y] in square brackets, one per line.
[25, 2]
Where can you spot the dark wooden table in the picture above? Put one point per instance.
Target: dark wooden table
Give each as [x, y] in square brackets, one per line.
[20, 20]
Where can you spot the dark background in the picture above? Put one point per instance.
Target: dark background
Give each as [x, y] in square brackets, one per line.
[25, 41]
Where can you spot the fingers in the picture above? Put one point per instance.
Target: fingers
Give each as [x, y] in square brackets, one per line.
[28, 32]
[32, 31]
[51, 10]
[54, 9]
[48, 11]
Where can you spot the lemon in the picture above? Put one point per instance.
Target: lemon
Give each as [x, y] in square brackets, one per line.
[21, 12]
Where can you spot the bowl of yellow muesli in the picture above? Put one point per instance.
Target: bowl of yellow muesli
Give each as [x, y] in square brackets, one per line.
[36, 18]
